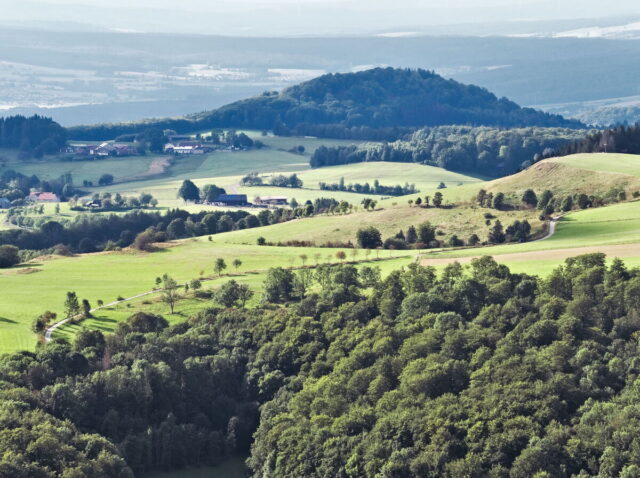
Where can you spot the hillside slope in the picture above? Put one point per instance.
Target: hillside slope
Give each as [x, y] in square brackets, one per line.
[591, 174]
[353, 104]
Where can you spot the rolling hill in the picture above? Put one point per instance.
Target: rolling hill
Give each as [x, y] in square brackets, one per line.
[354, 105]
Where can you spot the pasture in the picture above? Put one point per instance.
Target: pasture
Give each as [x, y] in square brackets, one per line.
[32, 288]
[614, 230]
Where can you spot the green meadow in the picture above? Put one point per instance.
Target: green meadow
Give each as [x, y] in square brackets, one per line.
[32, 288]
[628, 164]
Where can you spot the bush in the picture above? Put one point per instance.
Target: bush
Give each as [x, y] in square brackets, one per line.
[9, 256]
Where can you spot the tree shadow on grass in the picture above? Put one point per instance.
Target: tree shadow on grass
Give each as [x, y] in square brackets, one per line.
[8, 321]
[28, 265]
[102, 318]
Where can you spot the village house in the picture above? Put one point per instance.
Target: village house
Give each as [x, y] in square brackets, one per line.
[271, 200]
[43, 197]
[232, 200]
[186, 147]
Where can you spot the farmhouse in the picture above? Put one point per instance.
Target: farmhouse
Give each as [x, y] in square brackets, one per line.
[5, 203]
[94, 203]
[43, 197]
[232, 199]
[186, 147]
[271, 200]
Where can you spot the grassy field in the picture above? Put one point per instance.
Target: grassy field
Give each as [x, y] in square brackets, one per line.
[628, 164]
[614, 230]
[233, 468]
[389, 174]
[462, 221]
[581, 173]
[122, 168]
[107, 276]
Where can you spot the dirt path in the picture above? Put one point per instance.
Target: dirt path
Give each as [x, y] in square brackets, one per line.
[52, 329]
[157, 167]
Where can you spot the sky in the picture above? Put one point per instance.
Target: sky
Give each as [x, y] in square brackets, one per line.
[300, 17]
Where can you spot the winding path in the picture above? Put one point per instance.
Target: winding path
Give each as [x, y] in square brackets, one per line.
[49, 332]
[552, 229]
[52, 328]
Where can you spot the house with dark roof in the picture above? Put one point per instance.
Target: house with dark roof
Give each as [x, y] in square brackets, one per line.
[232, 200]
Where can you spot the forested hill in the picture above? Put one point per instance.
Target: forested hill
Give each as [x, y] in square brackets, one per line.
[380, 103]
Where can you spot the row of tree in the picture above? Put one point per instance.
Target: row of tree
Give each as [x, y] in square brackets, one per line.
[488, 151]
[366, 188]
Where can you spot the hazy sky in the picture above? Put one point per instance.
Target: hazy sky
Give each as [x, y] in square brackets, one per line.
[300, 17]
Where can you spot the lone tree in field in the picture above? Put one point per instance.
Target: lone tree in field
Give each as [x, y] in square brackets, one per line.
[498, 201]
[169, 291]
[189, 191]
[341, 256]
[412, 235]
[9, 256]
[437, 199]
[369, 237]
[105, 180]
[71, 305]
[236, 264]
[86, 309]
[195, 284]
[496, 234]
[219, 266]
[426, 233]
[303, 258]
[529, 198]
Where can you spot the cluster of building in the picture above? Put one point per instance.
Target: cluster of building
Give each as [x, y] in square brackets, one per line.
[187, 147]
[101, 150]
[240, 200]
[43, 197]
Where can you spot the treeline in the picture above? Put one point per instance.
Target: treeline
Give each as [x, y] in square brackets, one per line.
[474, 371]
[489, 151]
[366, 188]
[34, 136]
[106, 232]
[621, 139]
[16, 186]
[377, 104]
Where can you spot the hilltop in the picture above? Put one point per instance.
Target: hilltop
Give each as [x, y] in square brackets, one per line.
[380, 103]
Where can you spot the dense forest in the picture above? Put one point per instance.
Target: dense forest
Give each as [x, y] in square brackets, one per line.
[488, 151]
[33, 136]
[377, 104]
[476, 372]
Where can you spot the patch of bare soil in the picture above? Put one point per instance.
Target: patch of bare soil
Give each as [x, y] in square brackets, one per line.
[157, 167]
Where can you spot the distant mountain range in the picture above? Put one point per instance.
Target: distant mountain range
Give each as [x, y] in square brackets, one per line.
[354, 105]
